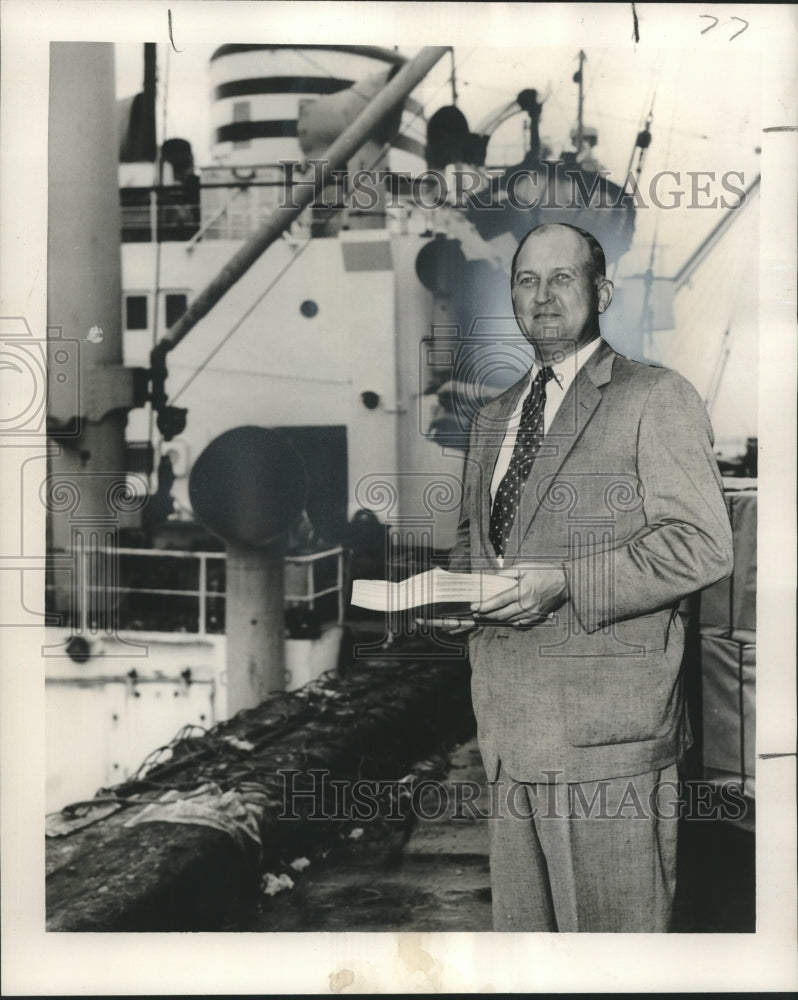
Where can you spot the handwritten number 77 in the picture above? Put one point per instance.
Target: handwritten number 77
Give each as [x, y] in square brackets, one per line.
[714, 24]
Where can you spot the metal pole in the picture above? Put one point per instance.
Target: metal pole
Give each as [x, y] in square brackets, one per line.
[203, 596]
[350, 140]
[255, 625]
[84, 291]
[339, 577]
[581, 96]
[454, 80]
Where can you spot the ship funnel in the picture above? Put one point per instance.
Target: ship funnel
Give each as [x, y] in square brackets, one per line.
[262, 96]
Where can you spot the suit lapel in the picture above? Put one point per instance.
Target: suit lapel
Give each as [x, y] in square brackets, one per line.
[574, 414]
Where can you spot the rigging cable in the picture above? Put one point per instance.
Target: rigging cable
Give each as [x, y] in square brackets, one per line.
[642, 142]
[731, 332]
[313, 62]
[647, 311]
[236, 326]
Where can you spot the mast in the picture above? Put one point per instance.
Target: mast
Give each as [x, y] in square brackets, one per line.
[454, 79]
[578, 78]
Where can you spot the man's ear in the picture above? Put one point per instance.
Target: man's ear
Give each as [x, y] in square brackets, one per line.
[605, 290]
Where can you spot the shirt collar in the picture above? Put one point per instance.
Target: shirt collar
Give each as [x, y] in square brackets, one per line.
[565, 371]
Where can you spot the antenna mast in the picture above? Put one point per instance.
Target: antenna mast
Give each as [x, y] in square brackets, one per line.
[578, 78]
[454, 79]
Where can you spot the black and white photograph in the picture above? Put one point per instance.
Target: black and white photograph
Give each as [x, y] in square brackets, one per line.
[398, 450]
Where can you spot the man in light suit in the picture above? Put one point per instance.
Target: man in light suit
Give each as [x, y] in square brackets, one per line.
[592, 485]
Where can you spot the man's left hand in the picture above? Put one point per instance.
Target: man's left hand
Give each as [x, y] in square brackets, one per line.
[540, 590]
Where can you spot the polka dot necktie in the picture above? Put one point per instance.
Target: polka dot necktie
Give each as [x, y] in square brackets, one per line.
[527, 445]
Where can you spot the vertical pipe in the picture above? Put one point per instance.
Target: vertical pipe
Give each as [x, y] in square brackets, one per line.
[84, 290]
[84, 281]
[255, 625]
[339, 576]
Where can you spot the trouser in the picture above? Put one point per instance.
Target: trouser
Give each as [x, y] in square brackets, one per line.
[597, 856]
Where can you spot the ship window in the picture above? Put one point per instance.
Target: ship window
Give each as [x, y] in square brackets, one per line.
[176, 305]
[136, 312]
[241, 114]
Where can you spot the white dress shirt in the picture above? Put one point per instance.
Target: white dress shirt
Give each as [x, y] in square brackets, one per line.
[565, 372]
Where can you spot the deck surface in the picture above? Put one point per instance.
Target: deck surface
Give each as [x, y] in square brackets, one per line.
[434, 876]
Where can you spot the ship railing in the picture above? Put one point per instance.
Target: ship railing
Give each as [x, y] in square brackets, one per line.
[302, 569]
[191, 597]
[173, 221]
[211, 221]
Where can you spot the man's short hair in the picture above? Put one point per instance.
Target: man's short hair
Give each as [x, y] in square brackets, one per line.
[597, 259]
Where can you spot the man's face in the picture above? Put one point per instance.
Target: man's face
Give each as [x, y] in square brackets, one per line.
[556, 297]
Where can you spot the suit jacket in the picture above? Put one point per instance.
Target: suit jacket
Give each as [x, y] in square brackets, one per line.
[625, 493]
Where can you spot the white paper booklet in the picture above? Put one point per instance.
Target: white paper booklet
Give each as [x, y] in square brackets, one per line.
[436, 586]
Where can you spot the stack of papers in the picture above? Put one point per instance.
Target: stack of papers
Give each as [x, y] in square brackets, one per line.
[436, 586]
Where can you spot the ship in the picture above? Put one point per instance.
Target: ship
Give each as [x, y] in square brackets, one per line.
[300, 352]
